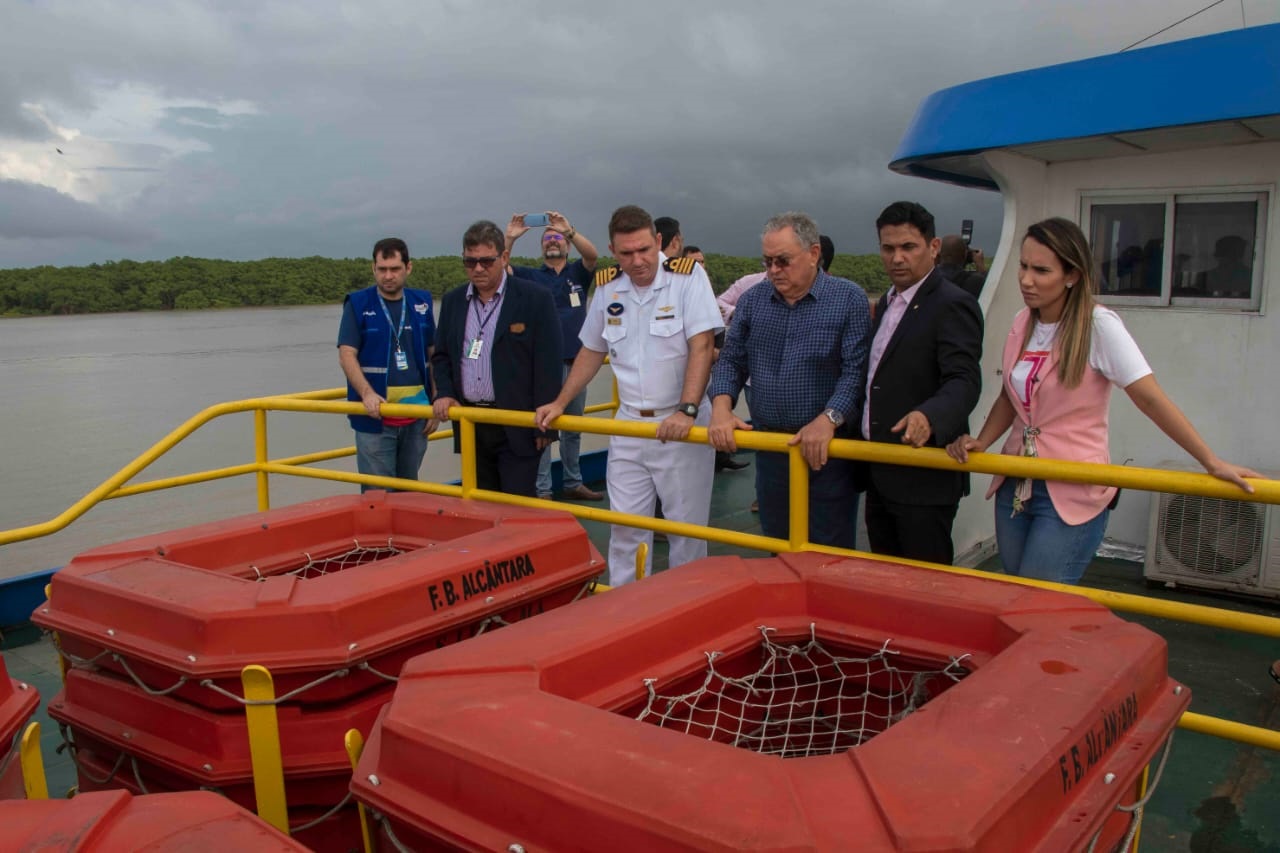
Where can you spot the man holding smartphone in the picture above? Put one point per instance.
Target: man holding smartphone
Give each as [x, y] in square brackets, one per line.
[568, 282]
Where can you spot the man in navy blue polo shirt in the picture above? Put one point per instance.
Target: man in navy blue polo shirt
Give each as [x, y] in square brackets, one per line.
[568, 282]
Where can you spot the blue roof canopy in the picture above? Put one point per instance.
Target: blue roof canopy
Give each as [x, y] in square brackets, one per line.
[1227, 77]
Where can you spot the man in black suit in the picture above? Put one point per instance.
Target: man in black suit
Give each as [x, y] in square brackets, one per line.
[497, 346]
[923, 380]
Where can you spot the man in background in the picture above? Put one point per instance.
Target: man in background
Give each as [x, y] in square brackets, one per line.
[498, 347]
[954, 257]
[568, 281]
[384, 342]
[695, 253]
[671, 241]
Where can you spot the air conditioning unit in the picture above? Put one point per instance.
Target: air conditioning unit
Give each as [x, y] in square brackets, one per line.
[1214, 543]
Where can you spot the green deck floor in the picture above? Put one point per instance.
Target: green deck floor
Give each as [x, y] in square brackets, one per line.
[1215, 797]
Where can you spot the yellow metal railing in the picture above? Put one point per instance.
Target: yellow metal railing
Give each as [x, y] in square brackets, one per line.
[331, 402]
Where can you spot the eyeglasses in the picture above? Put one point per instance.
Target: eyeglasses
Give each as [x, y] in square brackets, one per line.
[552, 236]
[779, 261]
[472, 263]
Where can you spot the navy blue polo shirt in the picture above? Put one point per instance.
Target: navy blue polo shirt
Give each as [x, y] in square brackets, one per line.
[575, 277]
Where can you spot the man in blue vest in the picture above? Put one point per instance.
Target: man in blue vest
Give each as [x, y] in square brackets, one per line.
[384, 342]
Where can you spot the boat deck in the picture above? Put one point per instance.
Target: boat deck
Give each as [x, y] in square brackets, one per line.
[1215, 796]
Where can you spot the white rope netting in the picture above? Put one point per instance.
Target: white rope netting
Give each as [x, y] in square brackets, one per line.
[357, 555]
[802, 699]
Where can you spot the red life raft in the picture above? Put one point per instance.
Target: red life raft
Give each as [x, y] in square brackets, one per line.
[199, 604]
[330, 596]
[117, 822]
[924, 711]
[18, 701]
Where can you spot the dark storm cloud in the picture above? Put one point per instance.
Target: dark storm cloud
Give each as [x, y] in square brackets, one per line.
[417, 118]
[28, 211]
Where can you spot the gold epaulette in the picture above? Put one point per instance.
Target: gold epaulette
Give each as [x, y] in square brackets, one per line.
[606, 275]
[683, 266]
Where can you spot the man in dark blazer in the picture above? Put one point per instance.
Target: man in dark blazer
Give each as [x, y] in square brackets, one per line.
[923, 380]
[497, 346]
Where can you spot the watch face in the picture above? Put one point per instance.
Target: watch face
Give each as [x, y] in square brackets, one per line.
[835, 417]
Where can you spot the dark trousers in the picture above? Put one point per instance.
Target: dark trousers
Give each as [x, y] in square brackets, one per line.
[908, 530]
[500, 469]
[833, 500]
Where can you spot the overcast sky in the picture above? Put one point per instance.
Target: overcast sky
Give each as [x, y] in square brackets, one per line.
[241, 130]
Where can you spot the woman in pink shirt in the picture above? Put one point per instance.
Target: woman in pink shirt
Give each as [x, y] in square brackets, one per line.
[1061, 358]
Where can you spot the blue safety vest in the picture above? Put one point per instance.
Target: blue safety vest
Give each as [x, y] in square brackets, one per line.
[378, 342]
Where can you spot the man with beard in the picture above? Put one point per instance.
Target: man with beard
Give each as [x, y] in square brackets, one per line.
[568, 282]
[384, 342]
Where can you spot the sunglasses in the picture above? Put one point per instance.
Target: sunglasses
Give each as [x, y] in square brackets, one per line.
[779, 261]
[552, 236]
[472, 263]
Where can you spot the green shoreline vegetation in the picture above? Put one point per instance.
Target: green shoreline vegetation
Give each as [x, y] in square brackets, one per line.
[198, 283]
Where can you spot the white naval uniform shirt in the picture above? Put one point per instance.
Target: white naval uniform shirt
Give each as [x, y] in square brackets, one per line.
[645, 331]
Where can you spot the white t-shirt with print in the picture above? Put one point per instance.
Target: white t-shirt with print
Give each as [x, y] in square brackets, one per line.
[1112, 352]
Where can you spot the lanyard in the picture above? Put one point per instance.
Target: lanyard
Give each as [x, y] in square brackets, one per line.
[404, 316]
[491, 310]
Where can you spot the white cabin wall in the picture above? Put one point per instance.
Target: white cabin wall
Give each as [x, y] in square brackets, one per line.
[1024, 187]
[1218, 366]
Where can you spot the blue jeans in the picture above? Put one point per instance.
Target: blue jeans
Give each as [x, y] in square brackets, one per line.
[833, 500]
[1037, 543]
[394, 452]
[570, 442]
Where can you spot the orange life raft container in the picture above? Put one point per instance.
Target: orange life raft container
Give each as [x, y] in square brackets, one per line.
[18, 701]
[330, 596]
[116, 822]
[882, 707]
[358, 583]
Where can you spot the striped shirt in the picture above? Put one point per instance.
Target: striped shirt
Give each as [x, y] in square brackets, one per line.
[482, 323]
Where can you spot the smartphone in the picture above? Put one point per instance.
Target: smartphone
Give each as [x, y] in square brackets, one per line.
[966, 230]
[534, 220]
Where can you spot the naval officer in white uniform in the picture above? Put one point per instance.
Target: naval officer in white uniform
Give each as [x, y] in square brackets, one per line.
[656, 319]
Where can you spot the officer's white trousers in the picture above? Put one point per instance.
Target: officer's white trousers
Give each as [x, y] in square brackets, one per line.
[641, 471]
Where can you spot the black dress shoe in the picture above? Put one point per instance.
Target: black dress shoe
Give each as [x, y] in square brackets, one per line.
[726, 462]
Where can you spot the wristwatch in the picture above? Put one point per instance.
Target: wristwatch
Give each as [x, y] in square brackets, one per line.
[690, 409]
[835, 417]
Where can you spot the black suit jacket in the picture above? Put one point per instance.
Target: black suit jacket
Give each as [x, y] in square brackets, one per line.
[932, 364]
[523, 345]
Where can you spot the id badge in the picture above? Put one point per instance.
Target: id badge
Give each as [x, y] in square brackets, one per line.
[575, 300]
[477, 345]
[402, 360]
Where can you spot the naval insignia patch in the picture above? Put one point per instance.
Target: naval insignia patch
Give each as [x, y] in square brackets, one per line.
[682, 266]
[606, 275]
[614, 309]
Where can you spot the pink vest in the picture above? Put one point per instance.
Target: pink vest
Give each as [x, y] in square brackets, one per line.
[1072, 423]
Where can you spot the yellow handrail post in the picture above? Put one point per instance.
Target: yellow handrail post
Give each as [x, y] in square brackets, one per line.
[260, 458]
[62, 659]
[798, 510]
[33, 781]
[264, 746]
[467, 445]
[642, 555]
[353, 741]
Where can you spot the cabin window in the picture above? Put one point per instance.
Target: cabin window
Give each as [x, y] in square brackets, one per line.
[1202, 250]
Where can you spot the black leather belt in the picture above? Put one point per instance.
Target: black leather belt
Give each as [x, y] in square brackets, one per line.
[485, 404]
